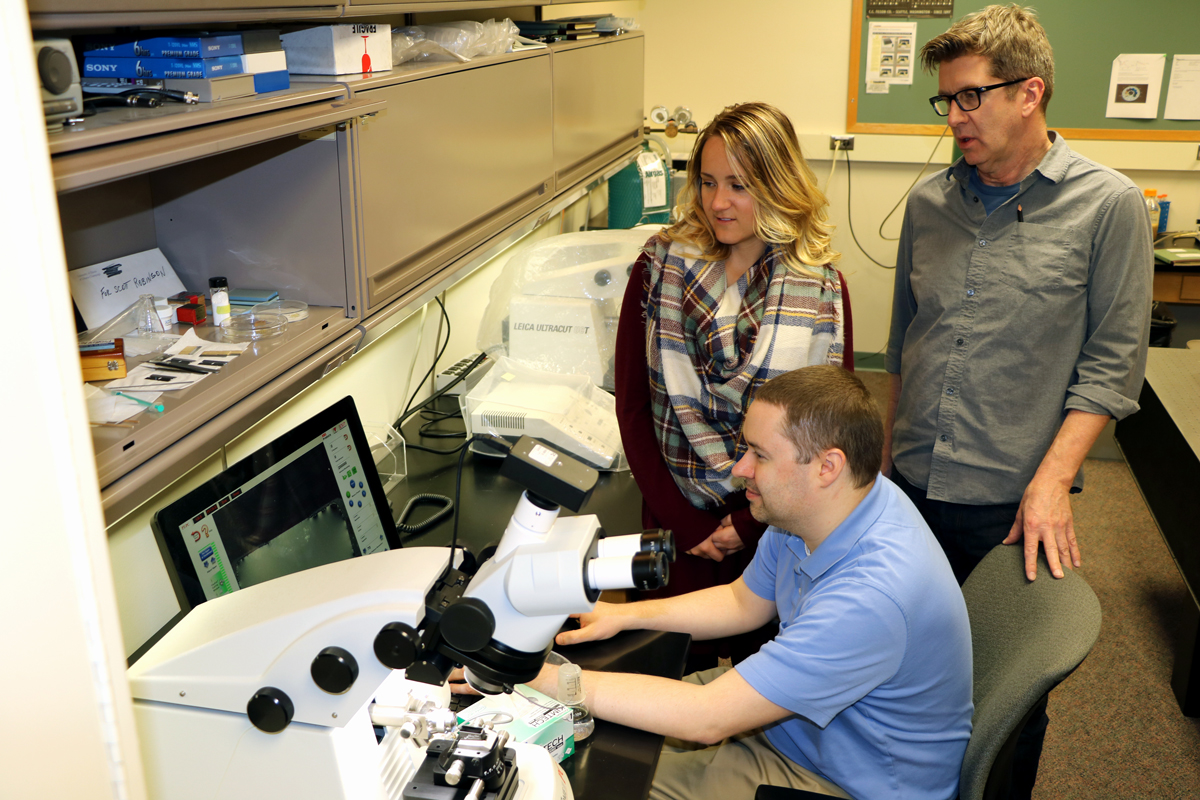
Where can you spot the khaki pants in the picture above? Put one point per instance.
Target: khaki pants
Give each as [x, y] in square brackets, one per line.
[731, 770]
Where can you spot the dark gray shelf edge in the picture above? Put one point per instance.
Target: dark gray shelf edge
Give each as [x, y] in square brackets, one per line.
[119, 451]
[178, 118]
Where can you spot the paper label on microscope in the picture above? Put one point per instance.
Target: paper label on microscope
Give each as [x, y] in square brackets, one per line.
[543, 455]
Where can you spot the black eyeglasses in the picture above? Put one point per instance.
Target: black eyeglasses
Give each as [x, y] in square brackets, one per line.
[967, 99]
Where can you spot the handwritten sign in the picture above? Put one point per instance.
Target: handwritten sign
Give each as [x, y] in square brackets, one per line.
[104, 290]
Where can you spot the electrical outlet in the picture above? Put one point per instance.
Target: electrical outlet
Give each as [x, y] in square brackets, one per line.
[847, 142]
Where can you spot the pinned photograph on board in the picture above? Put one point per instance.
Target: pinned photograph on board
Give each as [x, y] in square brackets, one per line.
[1131, 93]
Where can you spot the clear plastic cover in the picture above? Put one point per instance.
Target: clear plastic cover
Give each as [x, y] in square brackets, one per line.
[556, 304]
[292, 310]
[565, 411]
[252, 326]
[452, 41]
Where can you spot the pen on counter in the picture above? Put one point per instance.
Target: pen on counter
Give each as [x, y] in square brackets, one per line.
[1020, 214]
[155, 406]
[113, 425]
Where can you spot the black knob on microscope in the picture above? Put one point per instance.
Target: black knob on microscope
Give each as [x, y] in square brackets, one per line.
[397, 645]
[468, 625]
[334, 670]
[270, 710]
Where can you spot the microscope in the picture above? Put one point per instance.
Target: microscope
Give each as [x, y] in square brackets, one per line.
[267, 692]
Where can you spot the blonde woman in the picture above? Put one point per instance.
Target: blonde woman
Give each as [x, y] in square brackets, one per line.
[741, 289]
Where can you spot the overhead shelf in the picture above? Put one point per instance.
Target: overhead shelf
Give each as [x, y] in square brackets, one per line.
[144, 144]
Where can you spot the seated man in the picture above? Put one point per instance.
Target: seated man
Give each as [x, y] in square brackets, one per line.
[866, 689]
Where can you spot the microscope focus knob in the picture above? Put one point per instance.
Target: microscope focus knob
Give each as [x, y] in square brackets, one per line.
[270, 710]
[334, 670]
[397, 645]
[468, 625]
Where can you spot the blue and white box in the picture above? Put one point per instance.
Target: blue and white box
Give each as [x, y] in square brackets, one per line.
[109, 67]
[168, 47]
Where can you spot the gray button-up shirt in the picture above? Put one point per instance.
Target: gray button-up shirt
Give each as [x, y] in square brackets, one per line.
[1001, 326]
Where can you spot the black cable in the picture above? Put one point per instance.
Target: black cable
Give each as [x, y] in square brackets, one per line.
[126, 100]
[435, 451]
[426, 431]
[447, 506]
[850, 213]
[432, 417]
[479, 359]
[436, 358]
[494, 441]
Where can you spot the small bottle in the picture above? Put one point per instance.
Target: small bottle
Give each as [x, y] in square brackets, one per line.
[1151, 196]
[571, 694]
[218, 290]
[1164, 211]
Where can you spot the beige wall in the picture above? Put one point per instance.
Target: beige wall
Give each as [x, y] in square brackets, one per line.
[706, 54]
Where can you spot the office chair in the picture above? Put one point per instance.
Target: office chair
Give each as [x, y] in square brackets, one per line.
[1025, 639]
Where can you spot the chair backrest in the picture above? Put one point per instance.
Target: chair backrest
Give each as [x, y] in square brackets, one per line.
[1026, 637]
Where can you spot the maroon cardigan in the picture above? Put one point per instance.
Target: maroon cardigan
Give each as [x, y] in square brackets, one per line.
[663, 504]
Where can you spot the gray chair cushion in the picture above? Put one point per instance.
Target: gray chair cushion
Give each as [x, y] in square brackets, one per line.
[1026, 638]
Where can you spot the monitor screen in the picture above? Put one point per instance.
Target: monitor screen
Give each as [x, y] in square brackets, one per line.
[310, 497]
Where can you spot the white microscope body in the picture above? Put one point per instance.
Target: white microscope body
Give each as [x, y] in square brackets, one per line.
[266, 692]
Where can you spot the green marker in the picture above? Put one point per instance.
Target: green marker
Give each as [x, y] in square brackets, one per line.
[153, 406]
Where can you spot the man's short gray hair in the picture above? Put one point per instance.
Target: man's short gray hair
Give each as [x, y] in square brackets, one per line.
[1009, 37]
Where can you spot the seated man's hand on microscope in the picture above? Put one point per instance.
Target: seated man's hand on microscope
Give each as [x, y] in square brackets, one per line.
[457, 682]
[603, 622]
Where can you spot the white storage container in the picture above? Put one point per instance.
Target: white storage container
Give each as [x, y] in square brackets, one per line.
[339, 49]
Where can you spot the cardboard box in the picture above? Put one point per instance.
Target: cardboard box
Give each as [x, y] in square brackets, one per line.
[534, 719]
[339, 49]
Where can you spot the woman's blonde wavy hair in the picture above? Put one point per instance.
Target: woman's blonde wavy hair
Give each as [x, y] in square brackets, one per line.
[789, 209]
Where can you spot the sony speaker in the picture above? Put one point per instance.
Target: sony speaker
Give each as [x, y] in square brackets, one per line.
[58, 74]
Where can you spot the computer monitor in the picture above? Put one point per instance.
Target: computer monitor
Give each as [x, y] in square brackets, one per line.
[310, 497]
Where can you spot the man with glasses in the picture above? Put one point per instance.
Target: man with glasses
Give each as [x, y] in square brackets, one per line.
[1021, 311]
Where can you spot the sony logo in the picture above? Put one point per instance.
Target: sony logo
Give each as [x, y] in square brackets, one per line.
[100, 68]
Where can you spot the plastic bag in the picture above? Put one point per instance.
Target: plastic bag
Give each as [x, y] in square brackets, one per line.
[452, 41]
[556, 304]
[619, 24]
[566, 411]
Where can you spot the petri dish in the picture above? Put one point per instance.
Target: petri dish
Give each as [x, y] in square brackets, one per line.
[292, 310]
[253, 325]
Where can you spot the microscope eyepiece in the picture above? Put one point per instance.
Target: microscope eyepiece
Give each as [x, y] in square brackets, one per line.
[649, 571]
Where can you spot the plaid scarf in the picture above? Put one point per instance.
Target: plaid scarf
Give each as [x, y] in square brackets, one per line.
[709, 347]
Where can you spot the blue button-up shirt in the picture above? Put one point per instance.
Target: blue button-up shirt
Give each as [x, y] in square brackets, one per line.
[1000, 326]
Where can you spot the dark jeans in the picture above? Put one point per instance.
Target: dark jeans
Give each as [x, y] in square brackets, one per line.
[967, 534]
